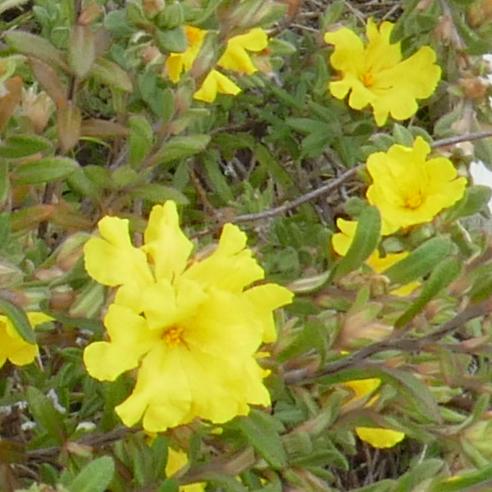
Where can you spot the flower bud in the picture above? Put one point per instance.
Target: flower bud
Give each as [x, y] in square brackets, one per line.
[38, 108]
[153, 7]
[10, 274]
[69, 252]
[88, 302]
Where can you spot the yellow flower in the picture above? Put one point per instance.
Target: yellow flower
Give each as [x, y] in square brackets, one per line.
[192, 329]
[177, 63]
[408, 189]
[216, 83]
[377, 437]
[176, 460]
[342, 240]
[13, 347]
[235, 58]
[376, 75]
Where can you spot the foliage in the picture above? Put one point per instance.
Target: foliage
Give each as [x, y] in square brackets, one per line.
[378, 378]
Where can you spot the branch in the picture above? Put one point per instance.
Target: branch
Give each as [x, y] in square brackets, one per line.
[311, 195]
[467, 137]
[404, 344]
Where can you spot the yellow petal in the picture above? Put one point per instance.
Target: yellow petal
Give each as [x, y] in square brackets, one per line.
[264, 300]
[130, 340]
[348, 55]
[380, 52]
[378, 437]
[342, 240]
[230, 267]
[236, 57]
[176, 460]
[111, 259]
[165, 242]
[174, 66]
[161, 395]
[13, 347]
[214, 83]
[363, 387]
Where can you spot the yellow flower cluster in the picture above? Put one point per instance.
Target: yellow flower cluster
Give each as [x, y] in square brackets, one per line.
[191, 328]
[376, 75]
[235, 58]
[13, 347]
[377, 437]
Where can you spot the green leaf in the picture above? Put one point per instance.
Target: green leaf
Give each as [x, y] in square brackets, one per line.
[364, 243]
[19, 146]
[217, 178]
[141, 139]
[420, 261]
[95, 476]
[4, 182]
[81, 50]
[474, 201]
[19, 320]
[36, 46]
[157, 193]
[465, 482]
[111, 74]
[262, 432]
[417, 474]
[45, 170]
[43, 411]
[171, 40]
[181, 147]
[444, 273]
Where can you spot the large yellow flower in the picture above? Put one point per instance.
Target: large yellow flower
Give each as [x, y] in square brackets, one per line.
[377, 437]
[408, 189]
[13, 347]
[192, 328]
[235, 58]
[376, 75]
[176, 460]
[342, 240]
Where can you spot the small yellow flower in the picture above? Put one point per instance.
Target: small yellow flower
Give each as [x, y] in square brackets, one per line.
[342, 240]
[408, 189]
[235, 58]
[376, 75]
[216, 83]
[13, 347]
[176, 460]
[192, 329]
[377, 437]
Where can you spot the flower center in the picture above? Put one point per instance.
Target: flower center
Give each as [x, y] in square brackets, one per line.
[173, 336]
[193, 35]
[414, 201]
[368, 79]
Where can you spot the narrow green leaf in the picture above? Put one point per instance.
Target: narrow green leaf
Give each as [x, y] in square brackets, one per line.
[44, 413]
[441, 277]
[157, 193]
[217, 178]
[417, 474]
[111, 74]
[19, 146]
[466, 482]
[364, 243]
[81, 50]
[95, 476]
[420, 262]
[19, 320]
[475, 200]
[141, 139]
[181, 147]
[45, 170]
[261, 430]
[4, 181]
[36, 46]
